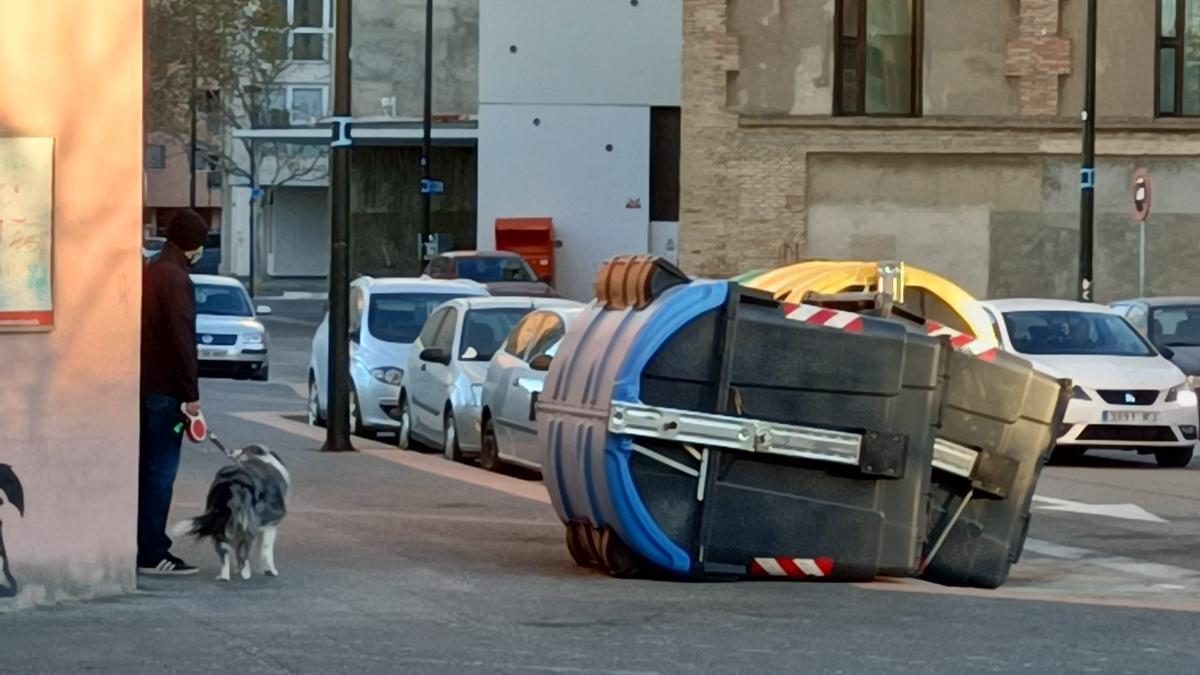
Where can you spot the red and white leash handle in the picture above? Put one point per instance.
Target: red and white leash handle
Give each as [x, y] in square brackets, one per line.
[197, 430]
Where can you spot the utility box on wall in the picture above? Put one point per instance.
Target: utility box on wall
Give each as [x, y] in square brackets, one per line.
[532, 239]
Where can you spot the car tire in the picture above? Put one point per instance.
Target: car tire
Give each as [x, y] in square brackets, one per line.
[489, 450]
[356, 423]
[404, 431]
[1174, 459]
[451, 450]
[315, 418]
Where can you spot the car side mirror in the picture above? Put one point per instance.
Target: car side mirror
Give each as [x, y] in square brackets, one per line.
[1167, 352]
[435, 355]
[541, 362]
[262, 310]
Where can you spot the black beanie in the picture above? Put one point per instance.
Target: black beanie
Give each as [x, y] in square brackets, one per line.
[187, 229]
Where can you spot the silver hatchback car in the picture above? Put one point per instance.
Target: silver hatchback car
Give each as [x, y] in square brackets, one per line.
[442, 391]
[230, 340]
[514, 382]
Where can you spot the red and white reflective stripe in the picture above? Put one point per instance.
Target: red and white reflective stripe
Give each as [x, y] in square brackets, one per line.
[795, 568]
[961, 341]
[853, 323]
[820, 316]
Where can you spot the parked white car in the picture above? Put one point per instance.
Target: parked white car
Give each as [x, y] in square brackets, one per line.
[230, 340]
[386, 315]
[441, 399]
[514, 381]
[1127, 395]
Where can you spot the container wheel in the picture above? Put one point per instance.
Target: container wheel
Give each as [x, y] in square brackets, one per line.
[576, 537]
[620, 561]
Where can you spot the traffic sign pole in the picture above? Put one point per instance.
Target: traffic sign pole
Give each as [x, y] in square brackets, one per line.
[1141, 211]
[1142, 259]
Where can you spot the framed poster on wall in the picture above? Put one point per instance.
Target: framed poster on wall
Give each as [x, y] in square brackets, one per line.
[26, 234]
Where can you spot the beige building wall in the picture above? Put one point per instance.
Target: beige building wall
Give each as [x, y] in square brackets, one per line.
[982, 187]
[72, 70]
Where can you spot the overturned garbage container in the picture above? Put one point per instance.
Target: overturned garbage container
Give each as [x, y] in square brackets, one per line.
[1000, 420]
[998, 423]
[691, 429]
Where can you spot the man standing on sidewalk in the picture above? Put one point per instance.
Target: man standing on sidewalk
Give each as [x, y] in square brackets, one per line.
[169, 381]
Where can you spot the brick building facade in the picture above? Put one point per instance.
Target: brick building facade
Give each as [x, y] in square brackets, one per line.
[938, 132]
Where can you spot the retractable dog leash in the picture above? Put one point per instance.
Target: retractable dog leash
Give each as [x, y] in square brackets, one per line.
[198, 432]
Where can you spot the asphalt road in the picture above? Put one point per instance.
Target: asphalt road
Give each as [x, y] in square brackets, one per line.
[399, 562]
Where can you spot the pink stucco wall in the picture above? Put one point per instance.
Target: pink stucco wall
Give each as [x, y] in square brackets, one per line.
[72, 70]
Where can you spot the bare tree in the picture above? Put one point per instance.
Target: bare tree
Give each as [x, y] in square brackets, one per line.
[221, 63]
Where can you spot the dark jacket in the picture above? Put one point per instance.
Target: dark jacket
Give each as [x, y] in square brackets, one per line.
[169, 365]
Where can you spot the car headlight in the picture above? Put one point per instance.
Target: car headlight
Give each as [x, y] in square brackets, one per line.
[1184, 395]
[1193, 381]
[252, 339]
[1079, 394]
[388, 375]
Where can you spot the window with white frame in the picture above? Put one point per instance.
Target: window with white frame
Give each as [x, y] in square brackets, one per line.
[312, 27]
[296, 105]
[309, 28]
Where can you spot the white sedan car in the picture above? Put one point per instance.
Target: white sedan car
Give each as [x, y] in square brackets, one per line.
[1127, 396]
[441, 399]
[385, 317]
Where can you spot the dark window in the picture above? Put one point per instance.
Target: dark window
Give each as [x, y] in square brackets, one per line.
[1073, 333]
[486, 270]
[522, 334]
[308, 47]
[1176, 326]
[664, 164]
[400, 317]
[156, 157]
[308, 13]
[878, 57]
[1178, 81]
[550, 334]
[444, 339]
[484, 330]
[432, 325]
[222, 301]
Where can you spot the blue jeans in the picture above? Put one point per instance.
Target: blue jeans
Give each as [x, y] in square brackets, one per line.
[159, 464]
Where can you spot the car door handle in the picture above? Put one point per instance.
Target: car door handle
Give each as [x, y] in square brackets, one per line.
[422, 367]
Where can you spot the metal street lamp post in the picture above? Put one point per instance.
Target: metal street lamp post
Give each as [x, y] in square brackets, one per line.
[337, 438]
[1087, 196]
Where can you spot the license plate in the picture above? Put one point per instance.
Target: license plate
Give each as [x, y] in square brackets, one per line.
[211, 353]
[1129, 416]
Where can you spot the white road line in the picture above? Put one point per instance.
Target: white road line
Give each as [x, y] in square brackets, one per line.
[1120, 511]
[1129, 566]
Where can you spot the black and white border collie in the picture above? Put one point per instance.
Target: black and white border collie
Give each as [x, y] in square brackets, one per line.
[246, 503]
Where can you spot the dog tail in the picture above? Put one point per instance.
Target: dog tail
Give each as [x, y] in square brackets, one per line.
[230, 509]
[184, 528]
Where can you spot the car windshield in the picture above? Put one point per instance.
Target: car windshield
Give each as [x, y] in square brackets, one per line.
[485, 330]
[217, 300]
[1176, 326]
[491, 269]
[1073, 333]
[399, 317]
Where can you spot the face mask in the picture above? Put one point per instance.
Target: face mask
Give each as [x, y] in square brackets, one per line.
[196, 257]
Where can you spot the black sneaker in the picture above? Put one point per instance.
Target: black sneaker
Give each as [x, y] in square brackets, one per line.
[169, 566]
